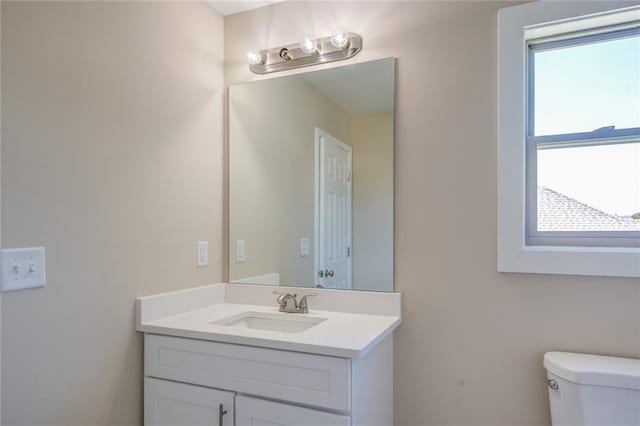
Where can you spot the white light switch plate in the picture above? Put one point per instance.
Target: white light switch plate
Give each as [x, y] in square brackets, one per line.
[203, 253]
[22, 268]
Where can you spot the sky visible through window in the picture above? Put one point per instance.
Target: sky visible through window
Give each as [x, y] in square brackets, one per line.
[581, 89]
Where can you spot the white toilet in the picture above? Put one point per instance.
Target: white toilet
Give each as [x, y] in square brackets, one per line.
[590, 390]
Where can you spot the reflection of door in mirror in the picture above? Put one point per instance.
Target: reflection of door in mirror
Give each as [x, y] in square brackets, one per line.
[332, 212]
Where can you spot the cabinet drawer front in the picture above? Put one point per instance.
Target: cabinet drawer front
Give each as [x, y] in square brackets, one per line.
[316, 380]
[258, 412]
[169, 403]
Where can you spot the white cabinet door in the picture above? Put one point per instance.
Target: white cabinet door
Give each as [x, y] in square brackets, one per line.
[170, 403]
[259, 412]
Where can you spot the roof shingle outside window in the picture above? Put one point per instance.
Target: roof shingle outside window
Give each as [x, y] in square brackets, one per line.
[557, 212]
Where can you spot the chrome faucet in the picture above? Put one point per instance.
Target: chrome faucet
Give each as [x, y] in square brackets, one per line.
[289, 304]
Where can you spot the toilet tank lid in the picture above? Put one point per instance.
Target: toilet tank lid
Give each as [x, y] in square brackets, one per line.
[594, 369]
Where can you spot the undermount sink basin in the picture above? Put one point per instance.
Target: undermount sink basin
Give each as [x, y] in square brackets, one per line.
[286, 323]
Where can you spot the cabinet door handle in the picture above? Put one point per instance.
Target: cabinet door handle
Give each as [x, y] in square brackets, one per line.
[221, 413]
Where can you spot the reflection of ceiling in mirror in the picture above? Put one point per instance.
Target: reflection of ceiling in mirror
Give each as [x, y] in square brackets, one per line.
[358, 88]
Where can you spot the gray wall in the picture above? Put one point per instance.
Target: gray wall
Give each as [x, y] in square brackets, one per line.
[470, 348]
[112, 159]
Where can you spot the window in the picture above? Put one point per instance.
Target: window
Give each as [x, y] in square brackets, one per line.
[569, 138]
[583, 139]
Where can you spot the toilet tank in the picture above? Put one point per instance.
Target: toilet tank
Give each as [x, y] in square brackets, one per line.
[590, 390]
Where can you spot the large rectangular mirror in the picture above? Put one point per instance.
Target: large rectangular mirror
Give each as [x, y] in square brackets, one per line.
[311, 178]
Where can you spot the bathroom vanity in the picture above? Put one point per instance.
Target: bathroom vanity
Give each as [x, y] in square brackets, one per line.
[310, 206]
[224, 355]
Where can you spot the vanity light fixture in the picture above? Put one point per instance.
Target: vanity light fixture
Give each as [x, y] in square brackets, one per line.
[310, 51]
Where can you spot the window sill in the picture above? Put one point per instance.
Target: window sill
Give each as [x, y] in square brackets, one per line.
[594, 261]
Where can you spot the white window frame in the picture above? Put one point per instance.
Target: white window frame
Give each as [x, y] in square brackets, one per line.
[517, 25]
[597, 137]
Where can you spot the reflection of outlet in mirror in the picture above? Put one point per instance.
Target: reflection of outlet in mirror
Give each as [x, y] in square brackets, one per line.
[239, 251]
[23, 268]
[203, 253]
[305, 247]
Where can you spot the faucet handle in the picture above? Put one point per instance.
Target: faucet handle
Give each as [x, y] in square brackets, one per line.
[303, 305]
[280, 296]
[287, 301]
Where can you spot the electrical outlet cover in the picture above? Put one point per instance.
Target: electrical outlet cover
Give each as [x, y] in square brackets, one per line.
[203, 253]
[240, 255]
[305, 247]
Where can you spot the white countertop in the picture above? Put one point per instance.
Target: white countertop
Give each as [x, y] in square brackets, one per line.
[343, 334]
